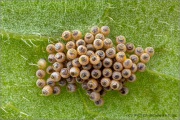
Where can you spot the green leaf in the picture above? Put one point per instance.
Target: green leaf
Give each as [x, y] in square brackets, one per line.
[27, 27]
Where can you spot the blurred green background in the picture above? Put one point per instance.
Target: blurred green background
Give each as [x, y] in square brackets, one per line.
[28, 26]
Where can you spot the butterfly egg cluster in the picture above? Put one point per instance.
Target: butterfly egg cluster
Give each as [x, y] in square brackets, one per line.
[92, 61]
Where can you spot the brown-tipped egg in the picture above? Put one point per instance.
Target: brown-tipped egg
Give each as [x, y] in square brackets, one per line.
[76, 34]
[83, 59]
[60, 57]
[141, 67]
[50, 48]
[40, 74]
[64, 73]
[50, 82]
[99, 36]
[71, 54]
[116, 85]
[81, 50]
[89, 53]
[57, 66]
[51, 58]
[84, 74]
[94, 96]
[98, 66]
[138, 51]
[98, 44]
[49, 70]
[116, 75]
[94, 59]
[70, 44]
[120, 39]
[145, 57]
[99, 103]
[96, 73]
[92, 83]
[134, 58]
[87, 67]
[127, 63]
[110, 52]
[105, 82]
[130, 47]
[62, 82]
[124, 91]
[150, 51]
[89, 38]
[101, 54]
[40, 83]
[71, 87]
[117, 66]
[95, 30]
[107, 62]
[56, 90]
[66, 35]
[120, 57]
[107, 43]
[59, 47]
[55, 76]
[132, 78]
[47, 90]
[107, 72]
[76, 63]
[80, 42]
[105, 30]
[74, 71]
[126, 73]
[121, 47]
[133, 68]
[90, 47]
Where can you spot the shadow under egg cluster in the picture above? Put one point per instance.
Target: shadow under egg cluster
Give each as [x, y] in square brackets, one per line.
[92, 61]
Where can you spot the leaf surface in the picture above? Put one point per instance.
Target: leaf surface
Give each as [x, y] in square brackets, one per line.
[27, 27]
